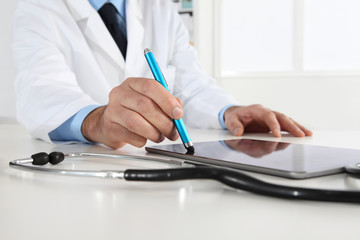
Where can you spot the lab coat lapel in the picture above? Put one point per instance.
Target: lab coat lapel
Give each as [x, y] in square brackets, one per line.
[135, 60]
[94, 30]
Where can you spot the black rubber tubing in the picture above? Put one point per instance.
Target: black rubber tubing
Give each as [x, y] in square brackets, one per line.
[242, 181]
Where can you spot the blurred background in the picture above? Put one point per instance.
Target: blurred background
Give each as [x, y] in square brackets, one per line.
[7, 69]
[300, 57]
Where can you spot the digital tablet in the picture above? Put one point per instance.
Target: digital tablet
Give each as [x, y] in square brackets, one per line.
[295, 161]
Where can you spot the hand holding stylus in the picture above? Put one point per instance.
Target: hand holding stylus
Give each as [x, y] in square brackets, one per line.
[138, 109]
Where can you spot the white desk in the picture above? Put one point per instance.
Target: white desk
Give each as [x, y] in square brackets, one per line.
[42, 206]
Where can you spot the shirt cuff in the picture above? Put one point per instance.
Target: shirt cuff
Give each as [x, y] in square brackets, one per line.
[221, 115]
[70, 130]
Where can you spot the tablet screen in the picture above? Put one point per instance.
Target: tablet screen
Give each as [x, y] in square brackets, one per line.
[275, 158]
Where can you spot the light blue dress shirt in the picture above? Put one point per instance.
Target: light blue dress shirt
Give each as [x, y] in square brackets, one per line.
[70, 130]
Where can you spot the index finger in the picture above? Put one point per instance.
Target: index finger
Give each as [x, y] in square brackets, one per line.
[269, 118]
[156, 92]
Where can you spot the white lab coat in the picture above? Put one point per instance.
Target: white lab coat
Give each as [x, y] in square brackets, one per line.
[66, 59]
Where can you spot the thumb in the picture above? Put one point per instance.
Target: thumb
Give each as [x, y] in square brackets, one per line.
[234, 125]
[179, 100]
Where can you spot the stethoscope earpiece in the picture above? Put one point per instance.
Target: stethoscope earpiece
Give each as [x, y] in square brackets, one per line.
[56, 157]
[43, 158]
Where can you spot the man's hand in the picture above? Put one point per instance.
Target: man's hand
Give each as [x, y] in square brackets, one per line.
[256, 118]
[138, 109]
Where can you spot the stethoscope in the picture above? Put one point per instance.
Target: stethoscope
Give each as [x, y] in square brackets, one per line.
[229, 177]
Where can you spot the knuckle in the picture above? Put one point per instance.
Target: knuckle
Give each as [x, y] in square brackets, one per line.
[145, 105]
[283, 116]
[115, 93]
[268, 114]
[129, 80]
[258, 106]
[268, 111]
[148, 85]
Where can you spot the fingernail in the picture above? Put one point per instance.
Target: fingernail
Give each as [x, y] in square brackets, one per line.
[236, 131]
[177, 113]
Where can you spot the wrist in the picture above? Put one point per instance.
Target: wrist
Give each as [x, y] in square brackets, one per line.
[90, 127]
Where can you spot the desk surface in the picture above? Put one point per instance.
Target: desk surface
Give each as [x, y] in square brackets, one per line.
[42, 206]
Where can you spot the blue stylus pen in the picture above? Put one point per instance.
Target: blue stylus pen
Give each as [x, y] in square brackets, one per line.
[179, 124]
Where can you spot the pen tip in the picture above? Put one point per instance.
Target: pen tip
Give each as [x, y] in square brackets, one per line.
[190, 150]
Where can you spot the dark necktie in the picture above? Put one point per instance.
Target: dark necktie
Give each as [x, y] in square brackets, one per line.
[116, 26]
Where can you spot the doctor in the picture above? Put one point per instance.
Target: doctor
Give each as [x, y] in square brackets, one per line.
[81, 75]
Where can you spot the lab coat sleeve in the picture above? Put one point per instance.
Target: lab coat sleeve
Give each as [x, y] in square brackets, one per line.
[46, 89]
[202, 98]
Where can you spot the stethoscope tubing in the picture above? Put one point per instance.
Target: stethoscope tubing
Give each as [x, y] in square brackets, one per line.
[240, 181]
[231, 178]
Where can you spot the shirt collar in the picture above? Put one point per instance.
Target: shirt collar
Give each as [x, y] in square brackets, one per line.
[119, 5]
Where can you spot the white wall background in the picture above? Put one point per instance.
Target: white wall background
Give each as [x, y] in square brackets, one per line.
[7, 96]
[300, 57]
